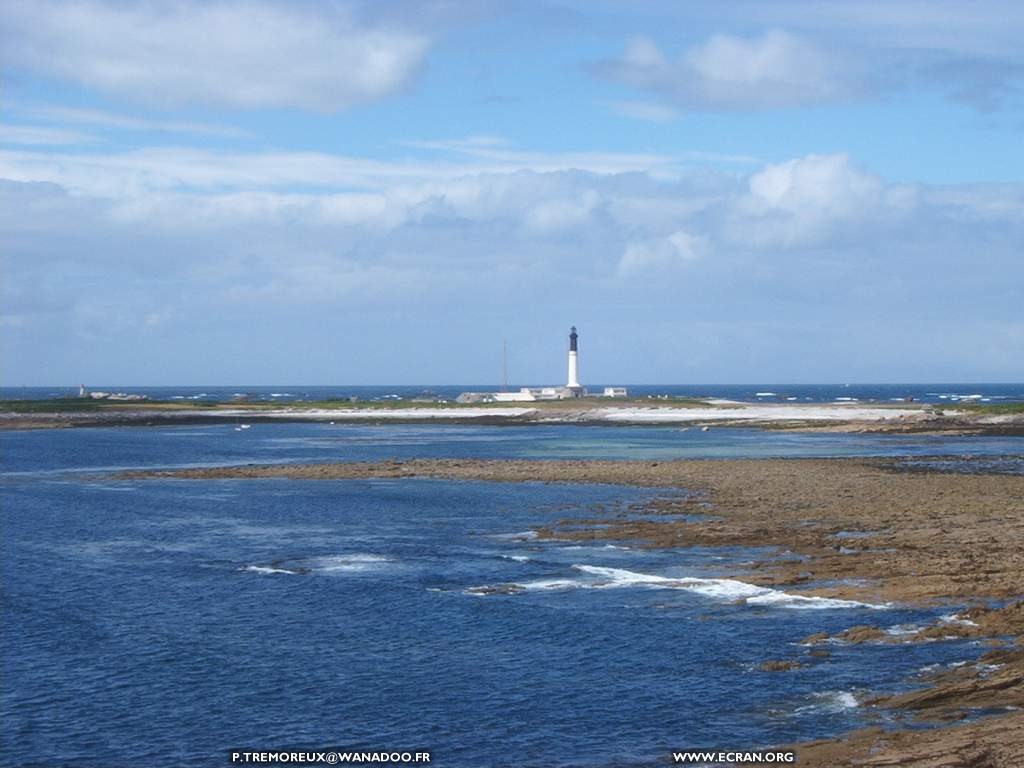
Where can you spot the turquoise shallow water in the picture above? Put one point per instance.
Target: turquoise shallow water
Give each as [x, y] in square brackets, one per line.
[163, 622]
[199, 445]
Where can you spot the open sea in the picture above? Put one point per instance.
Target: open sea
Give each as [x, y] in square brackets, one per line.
[166, 622]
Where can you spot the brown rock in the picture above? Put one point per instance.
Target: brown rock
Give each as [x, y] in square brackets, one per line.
[862, 634]
[779, 665]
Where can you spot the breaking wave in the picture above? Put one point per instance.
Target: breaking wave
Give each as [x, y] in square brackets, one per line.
[265, 569]
[829, 701]
[350, 563]
[725, 589]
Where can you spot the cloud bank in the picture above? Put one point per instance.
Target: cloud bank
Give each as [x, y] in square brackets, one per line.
[776, 69]
[230, 53]
[809, 54]
[681, 274]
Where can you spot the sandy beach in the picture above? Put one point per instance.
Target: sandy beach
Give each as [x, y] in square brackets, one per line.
[873, 530]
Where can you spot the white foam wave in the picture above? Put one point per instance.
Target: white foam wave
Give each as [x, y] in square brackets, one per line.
[265, 569]
[550, 584]
[724, 589]
[830, 701]
[809, 602]
[898, 630]
[324, 564]
[727, 589]
[518, 536]
[352, 562]
[846, 699]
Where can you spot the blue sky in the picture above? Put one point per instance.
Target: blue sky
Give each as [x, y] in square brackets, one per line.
[357, 193]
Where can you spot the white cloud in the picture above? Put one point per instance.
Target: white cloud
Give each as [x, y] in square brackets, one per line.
[642, 210]
[669, 252]
[811, 199]
[168, 168]
[864, 49]
[819, 184]
[28, 135]
[468, 145]
[222, 52]
[776, 69]
[983, 203]
[78, 116]
[653, 212]
[562, 214]
[978, 28]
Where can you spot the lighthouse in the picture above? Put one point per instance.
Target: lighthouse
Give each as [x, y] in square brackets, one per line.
[574, 364]
[572, 388]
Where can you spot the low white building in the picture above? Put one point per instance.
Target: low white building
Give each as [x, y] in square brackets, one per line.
[615, 392]
[522, 396]
[532, 394]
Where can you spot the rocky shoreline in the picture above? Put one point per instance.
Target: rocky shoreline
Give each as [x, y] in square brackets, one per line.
[869, 529]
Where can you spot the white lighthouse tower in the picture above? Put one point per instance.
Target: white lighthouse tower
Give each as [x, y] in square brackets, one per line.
[574, 365]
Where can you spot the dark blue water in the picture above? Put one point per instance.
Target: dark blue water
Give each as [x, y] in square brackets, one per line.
[765, 393]
[160, 623]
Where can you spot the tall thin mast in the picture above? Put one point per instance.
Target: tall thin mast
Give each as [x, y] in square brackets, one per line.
[504, 365]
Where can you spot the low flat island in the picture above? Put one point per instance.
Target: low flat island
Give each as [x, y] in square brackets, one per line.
[865, 416]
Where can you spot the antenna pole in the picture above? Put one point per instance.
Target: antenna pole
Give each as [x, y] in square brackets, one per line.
[504, 365]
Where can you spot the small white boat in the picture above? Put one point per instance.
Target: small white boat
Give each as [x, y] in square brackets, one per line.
[240, 427]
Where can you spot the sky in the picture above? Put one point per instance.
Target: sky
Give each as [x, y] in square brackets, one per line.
[341, 192]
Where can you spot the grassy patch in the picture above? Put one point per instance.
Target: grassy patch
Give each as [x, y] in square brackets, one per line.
[372, 405]
[984, 409]
[51, 405]
[670, 402]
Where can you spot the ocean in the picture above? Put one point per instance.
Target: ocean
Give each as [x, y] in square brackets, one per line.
[165, 622]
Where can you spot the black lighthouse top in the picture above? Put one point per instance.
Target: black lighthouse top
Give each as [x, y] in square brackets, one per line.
[572, 339]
